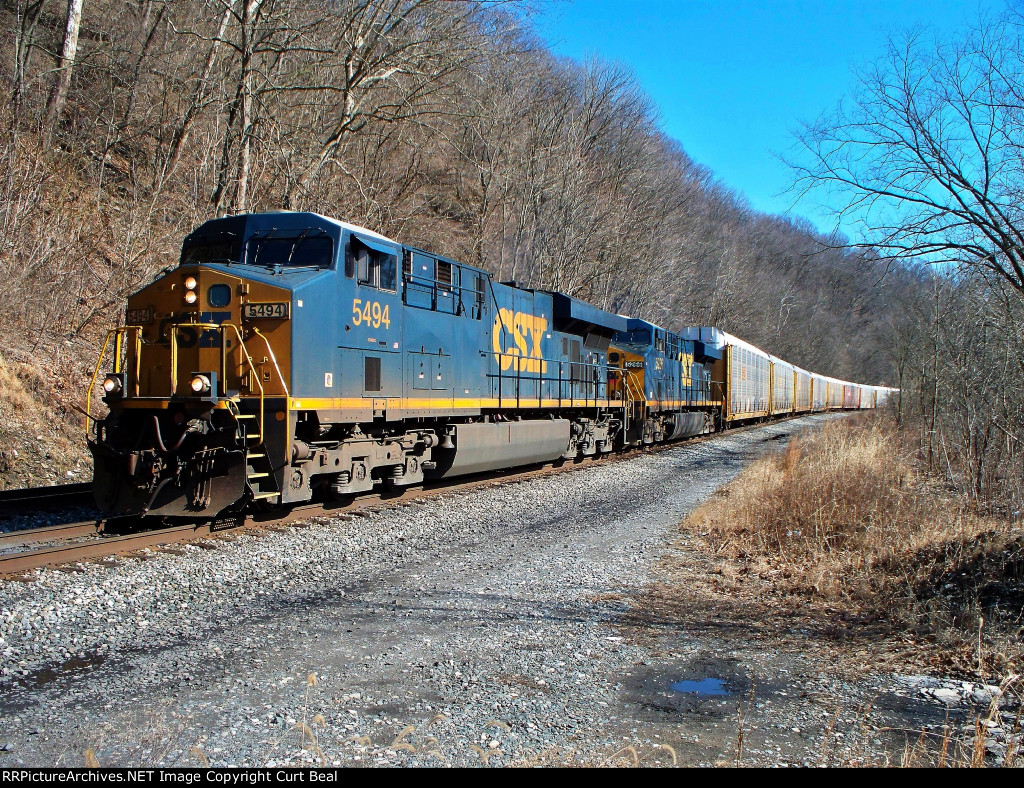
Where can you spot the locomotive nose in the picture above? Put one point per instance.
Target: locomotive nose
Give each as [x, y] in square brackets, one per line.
[196, 306]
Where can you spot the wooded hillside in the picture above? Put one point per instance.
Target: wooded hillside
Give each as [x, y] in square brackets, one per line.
[445, 124]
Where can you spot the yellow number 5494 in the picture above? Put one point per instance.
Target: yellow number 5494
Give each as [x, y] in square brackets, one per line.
[371, 313]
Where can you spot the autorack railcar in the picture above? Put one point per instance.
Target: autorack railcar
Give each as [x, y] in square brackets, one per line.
[783, 387]
[804, 402]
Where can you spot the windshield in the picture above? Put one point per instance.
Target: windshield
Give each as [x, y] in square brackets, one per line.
[640, 337]
[300, 250]
[216, 249]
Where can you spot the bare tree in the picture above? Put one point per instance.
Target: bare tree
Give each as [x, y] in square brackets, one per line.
[67, 60]
[928, 153]
[27, 13]
[392, 59]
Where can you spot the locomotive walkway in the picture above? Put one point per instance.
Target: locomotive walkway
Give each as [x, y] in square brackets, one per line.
[471, 627]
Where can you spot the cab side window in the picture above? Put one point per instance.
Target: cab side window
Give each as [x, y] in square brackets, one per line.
[373, 268]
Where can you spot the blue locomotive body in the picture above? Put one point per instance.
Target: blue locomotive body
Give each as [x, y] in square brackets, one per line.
[385, 331]
[664, 381]
[328, 356]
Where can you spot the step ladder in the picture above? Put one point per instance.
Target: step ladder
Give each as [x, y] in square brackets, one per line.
[258, 470]
[635, 399]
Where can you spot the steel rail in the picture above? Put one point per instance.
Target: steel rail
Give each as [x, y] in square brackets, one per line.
[26, 560]
[44, 497]
[23, 561]
[48, 533]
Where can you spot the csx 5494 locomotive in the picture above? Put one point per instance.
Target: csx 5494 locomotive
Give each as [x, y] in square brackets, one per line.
[290, 355]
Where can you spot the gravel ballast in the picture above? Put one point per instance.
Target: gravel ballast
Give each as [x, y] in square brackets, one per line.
[469, 627]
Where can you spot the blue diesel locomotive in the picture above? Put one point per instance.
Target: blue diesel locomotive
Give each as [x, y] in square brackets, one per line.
[290, 355]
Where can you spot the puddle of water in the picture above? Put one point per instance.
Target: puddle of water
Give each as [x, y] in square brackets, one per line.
[707, 686]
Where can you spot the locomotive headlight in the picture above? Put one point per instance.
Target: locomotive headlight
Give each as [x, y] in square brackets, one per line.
[200, 384]
[191, 283]
[190, 296]
[112, 384]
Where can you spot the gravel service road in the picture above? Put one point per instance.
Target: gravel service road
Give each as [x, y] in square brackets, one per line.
[468, 627]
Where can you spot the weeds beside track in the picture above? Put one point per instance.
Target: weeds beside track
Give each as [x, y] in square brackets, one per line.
[844, 519]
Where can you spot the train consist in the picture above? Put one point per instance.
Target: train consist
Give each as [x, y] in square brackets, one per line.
[290, 355]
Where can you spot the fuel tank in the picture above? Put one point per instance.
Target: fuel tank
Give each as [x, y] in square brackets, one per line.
[476, 448]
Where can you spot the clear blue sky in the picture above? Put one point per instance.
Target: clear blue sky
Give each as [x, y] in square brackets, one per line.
[734, 78]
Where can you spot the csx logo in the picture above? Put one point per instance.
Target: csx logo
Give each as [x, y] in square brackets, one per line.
[524, 356]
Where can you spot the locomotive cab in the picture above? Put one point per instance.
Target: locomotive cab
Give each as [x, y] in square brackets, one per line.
[202, 369]
[663, 387]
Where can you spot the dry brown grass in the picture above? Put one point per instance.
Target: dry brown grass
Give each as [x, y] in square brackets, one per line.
[41, 434]
[14, 388]
[844, 518]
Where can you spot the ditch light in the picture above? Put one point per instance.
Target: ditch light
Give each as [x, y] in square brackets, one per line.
[203, 385]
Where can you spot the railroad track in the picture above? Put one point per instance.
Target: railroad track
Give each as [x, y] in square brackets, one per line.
[70, 543]
[47, 533]
[17, 501]
[101, 547]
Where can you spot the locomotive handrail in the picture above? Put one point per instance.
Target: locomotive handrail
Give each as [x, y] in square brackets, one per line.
[631, 384]
[252, 367]
[219, 328]
[588, 364]
[117, 334]
[540, 377]
[273, 359]
[425, 283]
[633, 388]
[92, 381]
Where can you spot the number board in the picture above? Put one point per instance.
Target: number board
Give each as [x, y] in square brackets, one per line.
[135, 317]
[634, 365]
[277, 311]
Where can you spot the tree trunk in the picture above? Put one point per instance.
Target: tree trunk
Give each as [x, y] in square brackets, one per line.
[67, 62]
